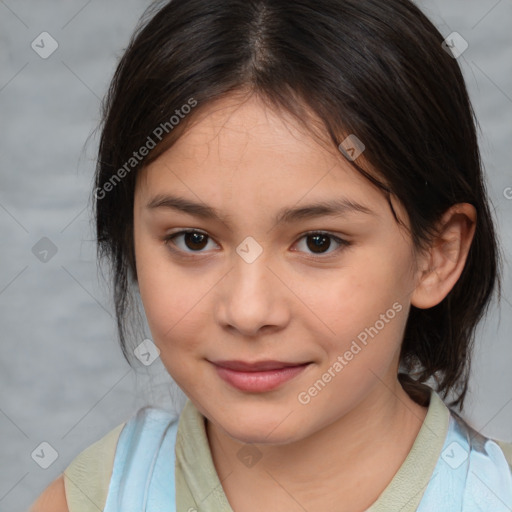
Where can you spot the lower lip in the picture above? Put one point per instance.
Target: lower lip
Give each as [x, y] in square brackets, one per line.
[259, 382]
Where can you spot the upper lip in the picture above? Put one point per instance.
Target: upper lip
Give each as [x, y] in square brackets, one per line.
[244, 366]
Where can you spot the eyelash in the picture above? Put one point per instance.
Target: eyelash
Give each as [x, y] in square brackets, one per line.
[168, 241]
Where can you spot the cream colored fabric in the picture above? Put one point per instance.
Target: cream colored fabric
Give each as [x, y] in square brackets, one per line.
[405, 490]
[197, 483]
[87, 478]
[507, 450]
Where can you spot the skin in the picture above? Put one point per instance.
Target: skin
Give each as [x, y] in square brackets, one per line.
[204, 302]
[247, 161]
[53, 499]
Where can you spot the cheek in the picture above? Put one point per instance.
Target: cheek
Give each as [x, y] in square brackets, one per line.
[171, 299]
[365, 303]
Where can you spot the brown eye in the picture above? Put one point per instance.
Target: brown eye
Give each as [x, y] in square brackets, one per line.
[319, 243]
[192, 241]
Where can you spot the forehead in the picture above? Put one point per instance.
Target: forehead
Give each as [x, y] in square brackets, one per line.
[241, 152]
[237, 126]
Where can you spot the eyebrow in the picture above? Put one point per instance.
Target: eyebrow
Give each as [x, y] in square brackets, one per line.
[333, 207]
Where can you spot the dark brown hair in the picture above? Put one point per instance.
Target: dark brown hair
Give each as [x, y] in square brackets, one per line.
[367, 67]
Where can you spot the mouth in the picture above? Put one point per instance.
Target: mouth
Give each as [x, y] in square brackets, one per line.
[260, 376]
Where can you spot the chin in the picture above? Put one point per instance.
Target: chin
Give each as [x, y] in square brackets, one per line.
[261, 430]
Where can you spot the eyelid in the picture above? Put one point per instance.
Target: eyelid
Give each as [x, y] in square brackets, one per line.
[343, 243]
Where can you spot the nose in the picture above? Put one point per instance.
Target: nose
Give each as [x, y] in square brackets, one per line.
[252, 298]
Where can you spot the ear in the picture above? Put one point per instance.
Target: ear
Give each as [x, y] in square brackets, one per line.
[440, 267]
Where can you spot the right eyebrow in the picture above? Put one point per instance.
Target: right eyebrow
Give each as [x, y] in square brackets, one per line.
[333, 207]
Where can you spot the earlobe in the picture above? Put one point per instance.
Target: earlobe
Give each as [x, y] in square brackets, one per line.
[441, 266]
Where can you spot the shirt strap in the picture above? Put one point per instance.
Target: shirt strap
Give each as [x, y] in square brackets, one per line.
[143, 473]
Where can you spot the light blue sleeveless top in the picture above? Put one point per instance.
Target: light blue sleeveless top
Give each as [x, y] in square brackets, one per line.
[143, 472]
[471, 475]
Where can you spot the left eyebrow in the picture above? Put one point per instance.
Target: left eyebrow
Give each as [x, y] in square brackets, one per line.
[334, 207]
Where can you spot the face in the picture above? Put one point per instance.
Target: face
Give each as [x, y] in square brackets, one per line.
[323, 297]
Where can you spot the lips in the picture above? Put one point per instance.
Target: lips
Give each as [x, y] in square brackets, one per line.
[260, 376]
[258, 366]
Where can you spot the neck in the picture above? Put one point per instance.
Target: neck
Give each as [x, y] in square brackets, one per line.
[361, 450]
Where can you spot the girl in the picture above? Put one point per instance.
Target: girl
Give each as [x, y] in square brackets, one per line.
[294, 188]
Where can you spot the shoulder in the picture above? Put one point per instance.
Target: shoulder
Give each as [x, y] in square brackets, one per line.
[84, 483]
[87, 477]
[506, 448]
[495, 450]
[53, 499]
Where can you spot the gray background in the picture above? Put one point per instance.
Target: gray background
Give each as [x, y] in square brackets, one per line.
[63, 379]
